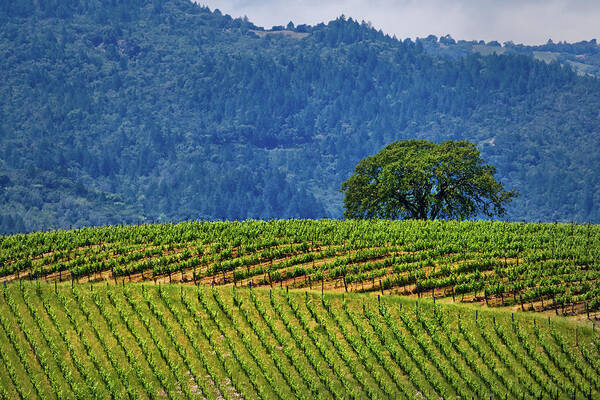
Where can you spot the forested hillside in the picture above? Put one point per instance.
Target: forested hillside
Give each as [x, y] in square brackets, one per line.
[133, 111]
[583, 56]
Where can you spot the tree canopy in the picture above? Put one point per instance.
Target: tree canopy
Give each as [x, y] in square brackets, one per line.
[422, 180]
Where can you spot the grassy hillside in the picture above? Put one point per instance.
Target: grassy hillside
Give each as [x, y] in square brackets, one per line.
[552, 267]
[178, 341]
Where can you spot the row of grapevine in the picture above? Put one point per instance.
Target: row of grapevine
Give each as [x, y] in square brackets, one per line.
[541, 266]
[147, 341]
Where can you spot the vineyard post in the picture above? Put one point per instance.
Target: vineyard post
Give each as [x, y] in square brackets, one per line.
[287, 289]
[587, 310]
[55, 290]
[381, 287]
[345, 285]
[476, 314]
[322, 286]
[521, 301]
[453, 300]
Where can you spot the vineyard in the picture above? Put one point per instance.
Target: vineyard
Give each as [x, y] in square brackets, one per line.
[552, 267]
[180, 341]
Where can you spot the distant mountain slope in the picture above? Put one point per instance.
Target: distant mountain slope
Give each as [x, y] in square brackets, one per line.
[164, 110]
[583, 57]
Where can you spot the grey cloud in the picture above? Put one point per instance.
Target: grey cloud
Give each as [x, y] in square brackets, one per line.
[530, 21]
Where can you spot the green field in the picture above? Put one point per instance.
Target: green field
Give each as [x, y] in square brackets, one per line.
[302, 309]
[180, 341]
[542, 267]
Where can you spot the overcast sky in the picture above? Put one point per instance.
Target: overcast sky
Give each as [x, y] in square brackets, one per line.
[524, 21]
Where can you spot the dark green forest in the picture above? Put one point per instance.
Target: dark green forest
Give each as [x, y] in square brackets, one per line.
[138, 111]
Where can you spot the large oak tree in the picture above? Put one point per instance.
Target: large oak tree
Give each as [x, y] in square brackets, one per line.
[423, 180]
